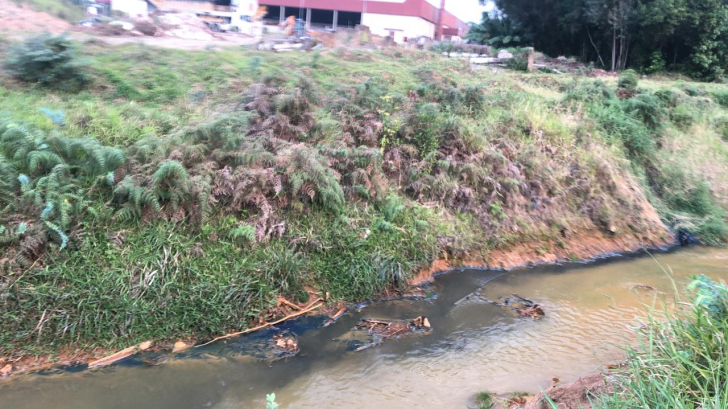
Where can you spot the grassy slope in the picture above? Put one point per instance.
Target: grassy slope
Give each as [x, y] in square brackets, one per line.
[535, 163]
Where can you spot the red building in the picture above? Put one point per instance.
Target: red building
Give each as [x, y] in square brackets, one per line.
[399, 19]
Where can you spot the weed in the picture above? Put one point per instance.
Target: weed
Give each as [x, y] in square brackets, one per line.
[679, 363]
[49, 62]
[484, 400]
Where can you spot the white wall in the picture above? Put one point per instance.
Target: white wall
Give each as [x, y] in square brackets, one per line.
[245, 7]
[134, 8]
[403, 26]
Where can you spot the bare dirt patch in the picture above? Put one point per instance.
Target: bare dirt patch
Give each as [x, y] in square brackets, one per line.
[574, 395]
[20, 18]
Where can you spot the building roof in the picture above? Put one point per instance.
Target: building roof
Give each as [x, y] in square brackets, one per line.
[415, 8]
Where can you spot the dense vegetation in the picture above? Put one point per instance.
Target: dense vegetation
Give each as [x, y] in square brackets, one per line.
[681, 363]
[180, 193]
[689, 36]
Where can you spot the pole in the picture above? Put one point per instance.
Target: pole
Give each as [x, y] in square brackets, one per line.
[438, 33]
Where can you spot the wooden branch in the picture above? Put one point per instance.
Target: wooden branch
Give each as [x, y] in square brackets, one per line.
[313, 306]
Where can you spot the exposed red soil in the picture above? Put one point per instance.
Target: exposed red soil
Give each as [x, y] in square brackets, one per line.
[575, 395]
[15, 17]
[582, 246]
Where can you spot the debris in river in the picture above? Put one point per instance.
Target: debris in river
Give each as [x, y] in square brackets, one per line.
[156, 360]
[381, 330]
[108, 360]
[145, 345]
[180, 346]
[6, 370]
[283, 345]
[314, 305]
[338, 314]
[523, 307]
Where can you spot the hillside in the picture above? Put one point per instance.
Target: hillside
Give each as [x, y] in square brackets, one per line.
[183, 192]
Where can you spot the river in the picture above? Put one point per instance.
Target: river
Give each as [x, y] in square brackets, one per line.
[591, 311]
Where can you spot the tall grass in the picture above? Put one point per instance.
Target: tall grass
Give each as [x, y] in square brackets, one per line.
[681, 362]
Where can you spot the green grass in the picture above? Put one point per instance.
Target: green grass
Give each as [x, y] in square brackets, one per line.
[484, 400]
[398, 158]
[681, 362]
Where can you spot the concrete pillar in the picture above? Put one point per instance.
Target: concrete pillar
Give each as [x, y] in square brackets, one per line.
[308, 18]
[336, 19]
[283, 14]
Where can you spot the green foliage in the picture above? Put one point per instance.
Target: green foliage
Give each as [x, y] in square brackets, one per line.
[721, 98]
[646, 108]
[484, 400]
[628, 80]
[680, 363]
[657, 63]
[519, 62]
[684, 116]
[270, 401]
[498, 31]
[643, 35]
[49, 62]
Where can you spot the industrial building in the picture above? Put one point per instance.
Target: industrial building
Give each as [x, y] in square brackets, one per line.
[400, 19]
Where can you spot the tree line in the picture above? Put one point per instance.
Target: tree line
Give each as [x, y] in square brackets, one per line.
[689, 36]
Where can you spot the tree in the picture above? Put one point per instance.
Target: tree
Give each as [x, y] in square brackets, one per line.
[499, 31]
[690, 36]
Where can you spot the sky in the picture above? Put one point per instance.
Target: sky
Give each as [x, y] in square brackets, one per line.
[467, 10]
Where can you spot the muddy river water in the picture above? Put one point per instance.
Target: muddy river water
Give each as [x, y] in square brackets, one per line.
[591, 311]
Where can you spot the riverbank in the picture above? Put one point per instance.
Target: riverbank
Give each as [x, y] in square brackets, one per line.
[192, 189]
[590, 311]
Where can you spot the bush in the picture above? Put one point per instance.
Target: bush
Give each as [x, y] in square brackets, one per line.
[681, 363]
[629, 80]
[721, 98]
[683, 116]
[48, 61]
[721, 125]
[519, 62]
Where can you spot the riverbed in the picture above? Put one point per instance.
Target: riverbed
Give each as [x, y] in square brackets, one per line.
[591, 313]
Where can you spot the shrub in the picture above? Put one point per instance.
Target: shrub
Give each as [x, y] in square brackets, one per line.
[519, 62]
[680, 363]
[721, 125]
[647, 109]
[657, 63]
[721, 98]
[683, 116]
[628, 80]
[48, 61]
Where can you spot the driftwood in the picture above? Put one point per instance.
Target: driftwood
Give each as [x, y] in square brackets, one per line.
[335, 317]
[313, 306]
[523, 307]
[108, 360]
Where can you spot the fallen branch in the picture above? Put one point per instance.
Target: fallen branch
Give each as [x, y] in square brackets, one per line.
[108, 360]
[313, 306]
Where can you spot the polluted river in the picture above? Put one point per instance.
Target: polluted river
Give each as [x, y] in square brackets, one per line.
[591, 311]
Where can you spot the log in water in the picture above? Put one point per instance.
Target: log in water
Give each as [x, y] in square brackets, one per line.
[590, 311]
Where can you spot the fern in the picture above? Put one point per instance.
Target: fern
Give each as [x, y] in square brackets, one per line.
[243, 232]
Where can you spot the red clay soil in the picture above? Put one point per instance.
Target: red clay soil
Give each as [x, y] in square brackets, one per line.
[575, 395]
[20, 18]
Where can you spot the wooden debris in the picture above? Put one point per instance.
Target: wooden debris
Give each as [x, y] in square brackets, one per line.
[313, 306]
[522, 307]
[108, 360]
[335, 317]
[145, 345]
[285, 344]
[155, 361]
[381, 330]
[6, 370]
[180, 346]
